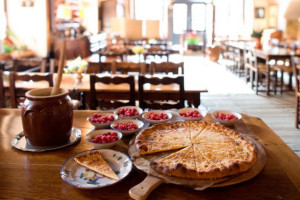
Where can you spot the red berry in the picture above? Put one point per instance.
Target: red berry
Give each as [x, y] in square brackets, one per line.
[123, 126]
[114, 134]
[159, 116]
[226, 117]
[128, 112]
[105, 138]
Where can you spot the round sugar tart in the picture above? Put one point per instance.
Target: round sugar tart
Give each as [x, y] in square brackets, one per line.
[201, 150]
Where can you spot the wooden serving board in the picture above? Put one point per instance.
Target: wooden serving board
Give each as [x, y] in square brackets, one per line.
[154, 179]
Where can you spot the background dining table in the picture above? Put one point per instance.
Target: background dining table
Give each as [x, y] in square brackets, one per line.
[192, 92]
[36, 175]
[274, 54]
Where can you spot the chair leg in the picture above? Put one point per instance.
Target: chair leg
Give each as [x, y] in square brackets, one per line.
[281, 81]
[246, 75]
[297, 113]
[290, 81]
[275, 82]
[256, 82]
[251, 78]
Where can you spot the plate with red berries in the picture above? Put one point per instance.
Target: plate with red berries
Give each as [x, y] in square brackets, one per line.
[102, 119]
[128, 112]
[157, 116]
[103, 139]
[127, 126]
[191, 114]
[226, 117]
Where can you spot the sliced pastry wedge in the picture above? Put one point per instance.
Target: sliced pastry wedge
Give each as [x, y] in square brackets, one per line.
[179, 164]
[96, 163]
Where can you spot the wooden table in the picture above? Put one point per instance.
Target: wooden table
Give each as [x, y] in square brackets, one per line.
[273, 53]
[25, 175]
[192, 92]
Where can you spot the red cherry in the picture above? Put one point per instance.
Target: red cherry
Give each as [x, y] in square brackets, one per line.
[114, 134]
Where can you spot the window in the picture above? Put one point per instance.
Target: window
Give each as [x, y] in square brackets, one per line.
[149, 10]
[153, 10]
[198, 17]
[231, 19]
[179, 18]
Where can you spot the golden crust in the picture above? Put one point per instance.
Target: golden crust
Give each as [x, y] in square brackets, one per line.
[163, 137]
[179, 164]
[211, 151]
[195, 128]
[216, 163]
[95, 162]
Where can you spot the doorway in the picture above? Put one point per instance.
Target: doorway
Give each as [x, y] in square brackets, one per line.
[191, 23]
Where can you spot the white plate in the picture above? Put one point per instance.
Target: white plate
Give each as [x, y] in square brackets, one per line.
[81, 177]
[225, 122]
[93, 133]
[102, 125]
[185, 110]
[140, 111]
[146, 114]
[138, 123]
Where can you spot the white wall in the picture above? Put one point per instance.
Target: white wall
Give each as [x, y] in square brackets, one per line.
[260, 23]
[90, 21]
[29, 24]
[127, 28]
[2, 20]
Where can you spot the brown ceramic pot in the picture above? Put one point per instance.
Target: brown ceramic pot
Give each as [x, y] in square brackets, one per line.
[47, 120]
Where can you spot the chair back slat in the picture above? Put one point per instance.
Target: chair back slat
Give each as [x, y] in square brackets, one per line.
[16, 93]
[153, 101]
[125, 67]
[29, 64]
[250, 60]
[107, 104]
[167, 67]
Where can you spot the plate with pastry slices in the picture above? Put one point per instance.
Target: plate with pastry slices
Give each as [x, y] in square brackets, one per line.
[96, 168]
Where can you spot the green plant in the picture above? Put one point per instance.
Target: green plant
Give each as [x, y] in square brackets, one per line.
[256, 34]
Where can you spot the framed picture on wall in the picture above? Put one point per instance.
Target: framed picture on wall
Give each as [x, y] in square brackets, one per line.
[259, 12]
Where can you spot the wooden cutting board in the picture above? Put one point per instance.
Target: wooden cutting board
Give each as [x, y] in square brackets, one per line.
[154, 179]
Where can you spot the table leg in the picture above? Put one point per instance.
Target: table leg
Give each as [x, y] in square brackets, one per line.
[193, 99]
[268, 76]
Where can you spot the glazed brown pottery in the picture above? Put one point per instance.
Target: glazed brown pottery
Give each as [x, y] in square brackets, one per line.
[47, 120]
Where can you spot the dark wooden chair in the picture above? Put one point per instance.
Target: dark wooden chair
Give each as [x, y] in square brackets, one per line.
[228, 57]
[167, 67]
[95, 99]
[157, 101]
[284, 67]
[79, 46]
[95, 68]
[2, 96]
[125, 67]
[2, 66]
[296, 71]
[238, 60]
[34, 64]
[257, 72]
[17, 94]
[111, 54]
[152, 54]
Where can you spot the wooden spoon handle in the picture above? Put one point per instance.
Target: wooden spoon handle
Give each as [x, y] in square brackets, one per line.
[142, 190]
[60, 68]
